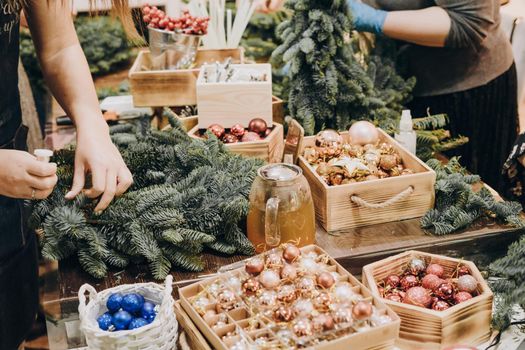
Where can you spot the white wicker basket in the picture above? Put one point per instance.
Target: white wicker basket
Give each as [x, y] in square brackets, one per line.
[161, 334]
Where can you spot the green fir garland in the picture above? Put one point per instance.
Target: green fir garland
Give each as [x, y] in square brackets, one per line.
[188, 195]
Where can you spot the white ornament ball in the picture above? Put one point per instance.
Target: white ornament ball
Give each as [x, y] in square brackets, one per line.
[362, 133]
[467, 283]
[269, 279]
[344, 293]
[303, 307]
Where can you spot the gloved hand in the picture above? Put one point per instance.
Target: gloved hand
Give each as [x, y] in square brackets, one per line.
[366, 18]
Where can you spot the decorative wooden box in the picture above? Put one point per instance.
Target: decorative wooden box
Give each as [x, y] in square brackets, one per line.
[391, 199]
[270, 149]
[242, 319]
[464, 323]
[235, 102]
[162, 88]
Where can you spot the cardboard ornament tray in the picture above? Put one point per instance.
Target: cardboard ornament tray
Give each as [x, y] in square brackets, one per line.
[247, 322]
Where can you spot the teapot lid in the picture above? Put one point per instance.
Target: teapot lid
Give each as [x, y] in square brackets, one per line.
[280, 172]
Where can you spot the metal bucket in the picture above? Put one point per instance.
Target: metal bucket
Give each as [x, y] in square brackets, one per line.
[171, 50]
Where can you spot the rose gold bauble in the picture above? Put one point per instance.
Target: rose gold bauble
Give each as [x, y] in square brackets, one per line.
[362, 310]
[418, 296]
[229, 138]
[445, 291]
[461, 297]
[431, 281]
[322, 301]
[342, 315]
[216, 130]
[291, 252]
[393, 297]
[269, 279]
[440, 305]
[274, 261]
[251, 286]
[254, 266]
[287, 293]
[237, 130]
[408, 281]
[325, 280]
[210, 317]
[302, 327]
[435, 269]
[322, 322]
[467, 283]
[463, 270]
[258, 126]
[283, 314]
[362, 133]
[392, 281]
[289, 272]
[250, 136]
[416, 266]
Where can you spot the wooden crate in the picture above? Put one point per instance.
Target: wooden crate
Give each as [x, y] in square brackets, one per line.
[234, 102]
[465, 323]
[194, 337]
[336, 210]
[161, 88]
[270, 149]
[377, 338]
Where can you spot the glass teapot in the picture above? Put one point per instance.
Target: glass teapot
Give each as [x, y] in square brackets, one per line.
[281, 208]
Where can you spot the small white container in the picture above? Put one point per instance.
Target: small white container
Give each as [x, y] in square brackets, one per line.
[407, 137]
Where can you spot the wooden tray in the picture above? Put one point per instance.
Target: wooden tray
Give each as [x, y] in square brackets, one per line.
[465, 323]
[162, 88]
[234, 102]
[194, 337]
[377, 338]
[270, 149]
[335, 210]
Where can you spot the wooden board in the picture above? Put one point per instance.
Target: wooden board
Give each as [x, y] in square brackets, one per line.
[194, 337]
[335, 209]
[162, 88]
[270, 149]
[465, 323]
[230, 103]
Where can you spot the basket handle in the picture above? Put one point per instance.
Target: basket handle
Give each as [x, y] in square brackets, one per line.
[82, 296]
[168, 287]
[391, 201]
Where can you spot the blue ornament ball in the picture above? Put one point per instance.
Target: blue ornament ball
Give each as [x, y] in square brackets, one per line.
[121, 320]
[137, 323]
[148, 310]
[105, 321]
[132, 302]
[114, 302]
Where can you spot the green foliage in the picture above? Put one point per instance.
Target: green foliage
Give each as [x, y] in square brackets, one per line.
[188, 195]
[329, 86]
[458, 205]
[510, 285]
[259, 38]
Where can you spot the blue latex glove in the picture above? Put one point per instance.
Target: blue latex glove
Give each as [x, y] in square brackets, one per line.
[366, 18]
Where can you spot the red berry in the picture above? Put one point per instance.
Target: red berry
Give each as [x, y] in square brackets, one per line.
[146, 10]
[154, 21]
[146, 18]
[171, 26]
[163, 23]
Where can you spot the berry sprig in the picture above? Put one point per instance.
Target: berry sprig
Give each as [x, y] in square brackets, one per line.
[186, 24]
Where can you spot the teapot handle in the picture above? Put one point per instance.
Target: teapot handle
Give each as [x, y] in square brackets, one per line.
[272, 234]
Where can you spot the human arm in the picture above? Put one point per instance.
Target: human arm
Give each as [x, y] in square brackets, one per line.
[269, 6]
[67, 74]
[452, 23]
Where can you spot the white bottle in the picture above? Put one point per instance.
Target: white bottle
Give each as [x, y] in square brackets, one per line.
[407, 136]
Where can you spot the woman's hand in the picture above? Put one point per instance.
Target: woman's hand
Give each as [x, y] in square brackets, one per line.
[25, 177]
[366, 18]
[97, 155]
[269, 6]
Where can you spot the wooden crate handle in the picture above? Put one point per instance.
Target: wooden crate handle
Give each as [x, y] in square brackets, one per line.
[397, 198]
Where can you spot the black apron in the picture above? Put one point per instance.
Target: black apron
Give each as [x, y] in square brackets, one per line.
[18, 248]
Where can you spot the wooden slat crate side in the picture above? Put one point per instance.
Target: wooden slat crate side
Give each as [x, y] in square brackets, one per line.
[342, 213]
[319, 193]
[468, 322]
[278, 110]
[194, 337]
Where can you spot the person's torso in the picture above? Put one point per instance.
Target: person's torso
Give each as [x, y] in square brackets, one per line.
[10, 114]
[447, 70]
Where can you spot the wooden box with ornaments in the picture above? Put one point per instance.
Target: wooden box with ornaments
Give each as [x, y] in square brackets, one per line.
[289, 298]
[441, 301]
[257, 140]
[364, 177]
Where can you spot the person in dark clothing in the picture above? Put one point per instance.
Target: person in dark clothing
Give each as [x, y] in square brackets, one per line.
[464, 67]
[21, 175]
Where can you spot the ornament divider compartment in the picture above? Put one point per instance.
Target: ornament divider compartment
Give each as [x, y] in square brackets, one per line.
[249, 322]
[335, 209]
[465, 323]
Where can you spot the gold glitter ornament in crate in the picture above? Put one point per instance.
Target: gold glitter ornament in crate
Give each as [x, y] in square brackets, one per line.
[323, 307]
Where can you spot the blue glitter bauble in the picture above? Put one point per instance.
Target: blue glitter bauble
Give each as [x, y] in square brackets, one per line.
[114, 302]
[148, 310]
[105, 321]
[132, 302]
[137, 323]
[121, 320]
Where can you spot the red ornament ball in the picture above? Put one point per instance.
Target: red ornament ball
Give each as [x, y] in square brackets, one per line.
[418, 296]
[445, 291]
[237, 130]
[250, 136]
[431, 281]
[392, 281]
[325, 280]
[291, 252]
[408, 282]
[217, 130]
[258, 126]
[229, 138]
[462, 297]
[254, 266]
[440, 305]
[435, 269]
[463, 270]
[362, 310]
[394, 297]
